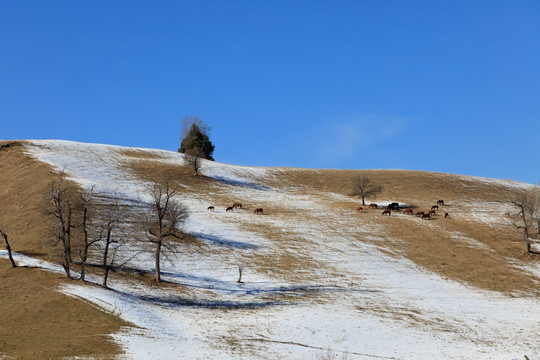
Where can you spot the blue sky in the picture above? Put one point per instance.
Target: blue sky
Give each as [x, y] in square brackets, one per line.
[449, 86]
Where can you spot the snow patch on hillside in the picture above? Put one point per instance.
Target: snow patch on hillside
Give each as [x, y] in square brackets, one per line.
[377, 307]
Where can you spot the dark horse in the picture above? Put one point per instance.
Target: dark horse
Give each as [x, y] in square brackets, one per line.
[230, 208]
[258, 211]
[387, 211]
[440, 202]
[393, 206]
[210, 208]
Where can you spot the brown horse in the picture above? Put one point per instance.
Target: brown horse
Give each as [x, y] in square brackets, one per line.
[230, 208]
[440, 202]
[419, 213]
[211, 208]
[359, 208]
[426, 216]
[408, 211]
[258, 211]
[432, 213]
[237, 205]
[372, 206]
[435, 207]
[387, 211]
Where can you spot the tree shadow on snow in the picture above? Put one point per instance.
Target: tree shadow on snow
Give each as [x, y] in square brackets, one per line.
[246, 184]
[219, 241]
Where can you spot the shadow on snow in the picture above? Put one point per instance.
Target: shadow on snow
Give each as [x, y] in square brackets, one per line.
[246, 184]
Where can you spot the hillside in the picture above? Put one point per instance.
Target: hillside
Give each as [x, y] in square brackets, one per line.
[317, 274]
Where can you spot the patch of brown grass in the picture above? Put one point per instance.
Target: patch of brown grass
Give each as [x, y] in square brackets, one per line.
[41, 323]
[38, 322]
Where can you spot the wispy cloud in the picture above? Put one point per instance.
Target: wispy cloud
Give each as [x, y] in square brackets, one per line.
[342, 139]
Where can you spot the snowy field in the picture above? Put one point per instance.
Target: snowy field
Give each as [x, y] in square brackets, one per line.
[352, 299]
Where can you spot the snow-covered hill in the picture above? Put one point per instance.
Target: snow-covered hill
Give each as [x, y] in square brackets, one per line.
[314, 278]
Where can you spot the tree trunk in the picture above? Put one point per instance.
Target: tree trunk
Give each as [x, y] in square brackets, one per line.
[157, 277]
[363, 201]
[105, 264]
[8, 248]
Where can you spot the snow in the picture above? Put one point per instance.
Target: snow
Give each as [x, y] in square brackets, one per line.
[377, 307]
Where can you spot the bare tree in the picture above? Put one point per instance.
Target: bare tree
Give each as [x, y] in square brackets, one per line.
[166, 219]
[194, 159]
[61, 208]
[187, 124]
[4, 233]
[87, 205]
[364, 187]
[111, 236]
[527, 207]
[535, 204]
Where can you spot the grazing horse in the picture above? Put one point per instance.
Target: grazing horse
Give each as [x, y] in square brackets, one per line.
[211, 208]
[435, 207]
[440, 202]
[387, 211]
[446, 215]
[230, 208]
[237, 205]
[372, 206]
[393, 206]
[419, 213]
[432, 212]
[426, 216]
[408, 211]
[359, 208]
[258, 211]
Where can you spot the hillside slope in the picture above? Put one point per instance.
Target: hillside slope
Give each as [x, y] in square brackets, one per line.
[318, 274]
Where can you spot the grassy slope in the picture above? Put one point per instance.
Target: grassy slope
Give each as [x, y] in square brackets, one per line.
[430, 244]
[37, 321]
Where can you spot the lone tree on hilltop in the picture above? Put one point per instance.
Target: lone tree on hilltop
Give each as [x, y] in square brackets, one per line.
[194, 138]
[364, 187]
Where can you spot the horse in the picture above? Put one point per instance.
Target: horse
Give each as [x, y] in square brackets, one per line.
[432, 212]
[440, 202]
[419, 213]
[446, 215]
[435, 207]
[230, 208]
[387, 211]
[359, 208]
[258, 211]
[408, 211]
[426, 216]
[372, 206]
[211, 208]
[393, 206]
[237, 205]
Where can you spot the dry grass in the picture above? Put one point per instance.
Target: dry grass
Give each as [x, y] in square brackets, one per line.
[41, 323]
[38, 322]
[431, 244]
[461, 248]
